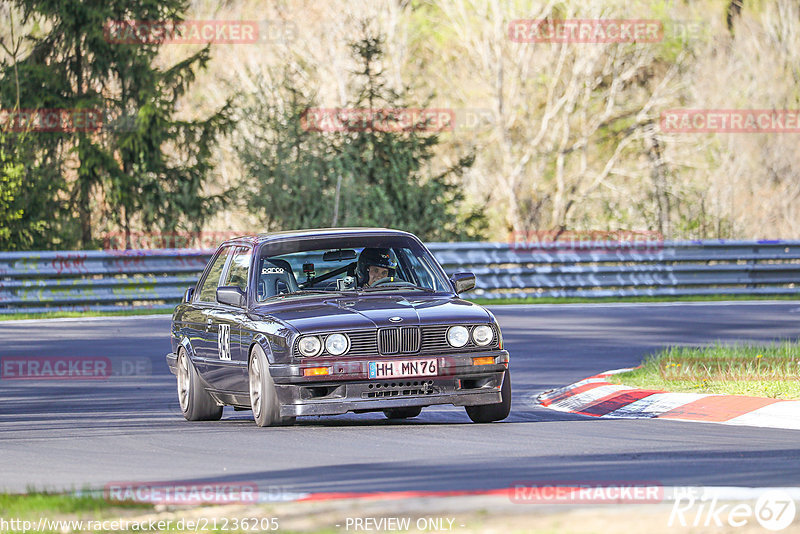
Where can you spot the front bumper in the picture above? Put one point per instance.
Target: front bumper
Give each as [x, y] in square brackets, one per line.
[349, 389]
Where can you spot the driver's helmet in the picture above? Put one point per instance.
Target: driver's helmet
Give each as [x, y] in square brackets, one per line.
[380, 257]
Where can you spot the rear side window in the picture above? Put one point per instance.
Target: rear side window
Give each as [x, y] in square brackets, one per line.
[208, 291]
[239, 269]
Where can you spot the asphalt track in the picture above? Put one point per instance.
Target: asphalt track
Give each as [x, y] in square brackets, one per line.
[61, 435]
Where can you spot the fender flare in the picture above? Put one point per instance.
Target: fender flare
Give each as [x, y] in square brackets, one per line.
[187, 345]
[261, 340]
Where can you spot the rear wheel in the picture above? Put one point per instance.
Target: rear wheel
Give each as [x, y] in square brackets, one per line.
[488, 413]
[403, 413]
[263, 397]
[196, 403]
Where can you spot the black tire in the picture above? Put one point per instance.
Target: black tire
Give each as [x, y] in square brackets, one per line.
[403, 413]
[195, 402]
[263, 397]
[488, 413]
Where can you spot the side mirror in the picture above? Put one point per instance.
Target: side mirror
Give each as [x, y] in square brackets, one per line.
[187, 297]
[231, 295]
[463, 282]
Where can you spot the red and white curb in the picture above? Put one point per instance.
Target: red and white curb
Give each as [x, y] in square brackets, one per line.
[556, 493]
[597, 397]
[523, 492]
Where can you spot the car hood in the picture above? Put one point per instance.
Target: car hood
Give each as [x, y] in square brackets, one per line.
[371, 311]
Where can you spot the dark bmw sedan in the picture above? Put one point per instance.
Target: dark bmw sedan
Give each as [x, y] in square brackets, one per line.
[325, 322]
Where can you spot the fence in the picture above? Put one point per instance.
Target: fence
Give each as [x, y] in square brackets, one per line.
[114, 280]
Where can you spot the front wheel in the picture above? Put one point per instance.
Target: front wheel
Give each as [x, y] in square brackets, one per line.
[488, 413]
[196, 403]
[263, 397]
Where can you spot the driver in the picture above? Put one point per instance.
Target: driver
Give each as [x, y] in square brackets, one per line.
[375, 264]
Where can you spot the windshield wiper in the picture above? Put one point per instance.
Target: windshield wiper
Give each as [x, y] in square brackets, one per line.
[305, 292]
[404, 286]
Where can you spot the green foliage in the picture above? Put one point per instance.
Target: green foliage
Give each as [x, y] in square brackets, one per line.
[292, 171]
[142, 167]
[34, 503]
[360, 176]
[11, 172]
[32, 209]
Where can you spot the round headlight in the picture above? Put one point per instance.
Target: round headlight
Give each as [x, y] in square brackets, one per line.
[309, 346]
[457, 336]
[482, 335]
[337, 344]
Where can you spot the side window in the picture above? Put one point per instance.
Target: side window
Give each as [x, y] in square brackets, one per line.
[239, 269]
[208, 291]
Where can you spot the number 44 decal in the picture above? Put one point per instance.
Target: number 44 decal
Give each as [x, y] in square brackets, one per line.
[224, 341]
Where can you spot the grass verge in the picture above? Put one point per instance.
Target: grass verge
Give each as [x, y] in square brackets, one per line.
[28, 504]
[577, 300]
[771, 370]
[33, 504]
[63, 314]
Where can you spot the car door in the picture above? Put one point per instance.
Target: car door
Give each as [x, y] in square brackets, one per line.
[228, 371]
[204, 306]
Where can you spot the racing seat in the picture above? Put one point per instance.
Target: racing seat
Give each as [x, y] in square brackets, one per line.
[276, 277]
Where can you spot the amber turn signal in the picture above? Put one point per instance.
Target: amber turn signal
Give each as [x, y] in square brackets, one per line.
[316, 371]
[483, 360]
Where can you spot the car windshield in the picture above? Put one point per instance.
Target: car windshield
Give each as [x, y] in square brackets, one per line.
[293, 268]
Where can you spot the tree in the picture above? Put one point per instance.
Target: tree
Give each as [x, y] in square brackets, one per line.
[10, 187]
[569, 120]
[291, 171]
[32, 186]
[355, 175]
[150, 168]
[391, 184]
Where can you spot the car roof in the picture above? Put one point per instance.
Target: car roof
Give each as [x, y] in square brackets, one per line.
[316, 233]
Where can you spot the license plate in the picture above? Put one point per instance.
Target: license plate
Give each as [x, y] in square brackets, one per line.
[403, 368]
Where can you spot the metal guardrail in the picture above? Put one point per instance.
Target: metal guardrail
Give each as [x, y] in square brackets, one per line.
[114, 280]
